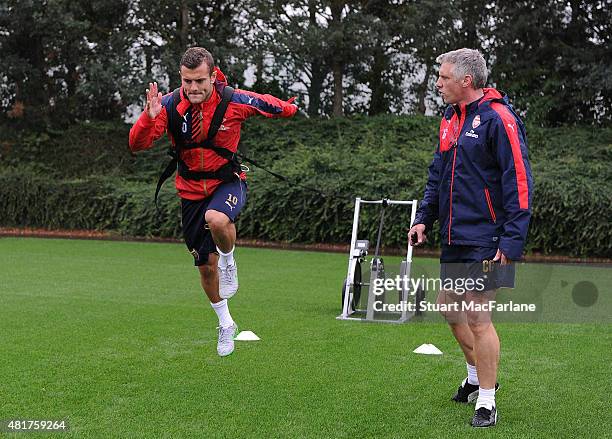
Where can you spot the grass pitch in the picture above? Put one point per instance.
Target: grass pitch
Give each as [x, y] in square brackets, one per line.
[117, 338]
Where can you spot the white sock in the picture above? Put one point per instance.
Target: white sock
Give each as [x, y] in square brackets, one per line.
[472, 377]
[222, 310]
[486, 398]
[226, 259]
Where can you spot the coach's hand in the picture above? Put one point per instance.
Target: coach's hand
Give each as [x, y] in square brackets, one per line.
[416, 235]
[499, 256]
[154, 106]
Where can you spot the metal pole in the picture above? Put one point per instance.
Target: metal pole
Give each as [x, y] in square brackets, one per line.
[350, 275]
[409, 254]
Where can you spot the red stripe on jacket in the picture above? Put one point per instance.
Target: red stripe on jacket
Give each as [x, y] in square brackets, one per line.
[511, 127]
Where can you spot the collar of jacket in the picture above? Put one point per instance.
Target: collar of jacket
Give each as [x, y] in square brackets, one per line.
[490, 95]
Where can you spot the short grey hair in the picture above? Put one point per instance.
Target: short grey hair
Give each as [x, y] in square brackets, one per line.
[467, 62]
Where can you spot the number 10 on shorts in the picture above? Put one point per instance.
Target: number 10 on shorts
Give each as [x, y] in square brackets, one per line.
[231, 201]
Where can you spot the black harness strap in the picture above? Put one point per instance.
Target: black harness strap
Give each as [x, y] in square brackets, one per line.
[226, 173]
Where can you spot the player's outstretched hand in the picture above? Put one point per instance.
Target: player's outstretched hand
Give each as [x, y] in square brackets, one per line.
[416, 235]
[154, 97]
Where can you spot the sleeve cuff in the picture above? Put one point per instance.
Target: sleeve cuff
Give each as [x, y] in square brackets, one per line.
[145, 120]
[511, 250]
[420, 220]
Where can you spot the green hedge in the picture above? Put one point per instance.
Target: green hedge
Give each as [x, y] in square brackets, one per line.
[571, 211]
[95, 203]
[55, 183]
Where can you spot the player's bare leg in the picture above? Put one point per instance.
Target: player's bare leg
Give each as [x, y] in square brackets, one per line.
[486, 351]
[486, 341]
[458, 323]
[222, 229]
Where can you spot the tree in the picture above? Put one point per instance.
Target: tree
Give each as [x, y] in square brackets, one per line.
[383, 70]
[66, 60]
[553, 62]
[291, 38]
[318, 44]
[167, 28]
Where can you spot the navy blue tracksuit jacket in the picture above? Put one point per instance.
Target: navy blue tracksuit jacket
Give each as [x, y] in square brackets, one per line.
[480, 183]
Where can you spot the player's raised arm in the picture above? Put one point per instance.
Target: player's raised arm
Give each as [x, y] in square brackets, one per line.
[154, 97]
[250, 103]
[152, 122]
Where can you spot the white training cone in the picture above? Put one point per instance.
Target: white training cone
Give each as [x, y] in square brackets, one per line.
[247, 336]
[427, 349]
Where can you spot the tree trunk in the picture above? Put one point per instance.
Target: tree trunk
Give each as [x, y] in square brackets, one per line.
[422, 91]
[148, 50]
[378, 103]
[337, 64]
[337, 109]
[316, 70]
[314, 90]
[184, 12]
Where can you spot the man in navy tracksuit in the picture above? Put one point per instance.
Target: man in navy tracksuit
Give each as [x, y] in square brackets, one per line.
[480, 190]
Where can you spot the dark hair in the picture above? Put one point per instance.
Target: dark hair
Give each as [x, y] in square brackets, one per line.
[194, 56]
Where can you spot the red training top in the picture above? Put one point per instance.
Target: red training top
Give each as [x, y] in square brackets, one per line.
[197, 118]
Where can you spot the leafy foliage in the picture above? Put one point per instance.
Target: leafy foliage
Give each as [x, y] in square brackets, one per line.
[86, 179]
[67, 61]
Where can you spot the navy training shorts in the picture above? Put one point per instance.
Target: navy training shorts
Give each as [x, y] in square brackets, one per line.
[228, 198]
[471, 268]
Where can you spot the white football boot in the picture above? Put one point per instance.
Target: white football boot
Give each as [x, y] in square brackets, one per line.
[225, 343]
